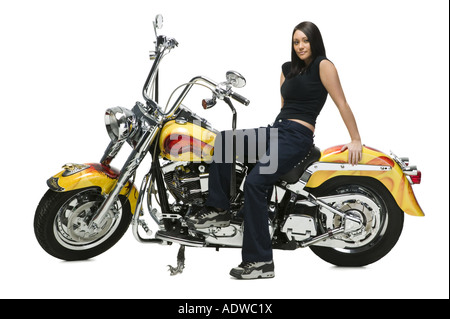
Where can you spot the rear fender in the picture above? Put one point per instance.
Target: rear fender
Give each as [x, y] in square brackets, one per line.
[78, 176]
[394, 179]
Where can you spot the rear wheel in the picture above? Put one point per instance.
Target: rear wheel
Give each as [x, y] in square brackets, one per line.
[382, 222]
[61, 224]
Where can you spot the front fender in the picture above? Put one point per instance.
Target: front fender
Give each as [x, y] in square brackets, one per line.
[78, 176]
[394, 180]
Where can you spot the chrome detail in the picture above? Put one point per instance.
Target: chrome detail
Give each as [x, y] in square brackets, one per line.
[235, 79]
[52, 183]
[183, 94]
[277, 193]
[181, 120]
[305, 202]
[230, 236]
[408, 170]
[70, 169]
[182, 241]
[187, 179]
[158, 23]
[172, 216]
[192, 191]
[163, 43]
[77, 228]
[324, 166]
[204, 179]
[180, 262]
[358, 223]
[154, 214]
[411, 170]
[128, 170]
[136, 221]
[170, 167]
[120, 123]
[352, 221]
[209, 103]
[299, 227]
[324, 237]
[152, 55]
[298, 187]
[111, 152]
[71, 228]
[145, 227]
[221, 91]
[403, 162]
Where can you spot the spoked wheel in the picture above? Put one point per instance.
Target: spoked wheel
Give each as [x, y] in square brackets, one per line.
[61, 224]
[382, 223]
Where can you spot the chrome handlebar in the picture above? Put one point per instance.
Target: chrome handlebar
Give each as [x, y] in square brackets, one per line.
[163, 43]
[220, 90]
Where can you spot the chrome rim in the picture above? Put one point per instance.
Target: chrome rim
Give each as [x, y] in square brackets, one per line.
[71, 228]
[371, 211]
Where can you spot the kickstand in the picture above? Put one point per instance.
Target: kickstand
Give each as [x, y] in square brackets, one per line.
[180, 262]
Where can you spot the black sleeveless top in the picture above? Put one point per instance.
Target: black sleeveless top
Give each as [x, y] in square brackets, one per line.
[304, 95]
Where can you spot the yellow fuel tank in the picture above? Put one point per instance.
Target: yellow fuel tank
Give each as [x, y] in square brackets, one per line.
[187, 140]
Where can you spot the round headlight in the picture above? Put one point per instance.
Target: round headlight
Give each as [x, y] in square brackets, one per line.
[120, 123]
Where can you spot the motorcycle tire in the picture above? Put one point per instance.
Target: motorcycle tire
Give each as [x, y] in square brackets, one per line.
[382, 238]
[61, 224]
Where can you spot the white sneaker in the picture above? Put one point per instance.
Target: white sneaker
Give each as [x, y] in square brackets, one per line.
[208, 217]
[254, 270]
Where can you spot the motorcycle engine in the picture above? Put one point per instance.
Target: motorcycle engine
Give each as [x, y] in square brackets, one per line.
[187, 182]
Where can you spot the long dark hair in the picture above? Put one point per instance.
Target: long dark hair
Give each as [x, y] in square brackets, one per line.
[317, 47]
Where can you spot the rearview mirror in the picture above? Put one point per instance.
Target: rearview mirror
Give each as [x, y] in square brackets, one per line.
[158, 23]
[235, 79]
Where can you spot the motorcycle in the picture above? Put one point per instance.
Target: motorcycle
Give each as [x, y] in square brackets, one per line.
[347, 215]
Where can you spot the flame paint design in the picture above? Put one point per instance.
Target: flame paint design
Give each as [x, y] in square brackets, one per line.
[186, 142]
[96, 175]
[178, 145]
[394, 180]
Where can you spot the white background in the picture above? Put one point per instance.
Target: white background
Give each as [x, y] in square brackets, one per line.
[63, 63]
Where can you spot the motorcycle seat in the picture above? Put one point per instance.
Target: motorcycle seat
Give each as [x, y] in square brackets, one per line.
[294, 175]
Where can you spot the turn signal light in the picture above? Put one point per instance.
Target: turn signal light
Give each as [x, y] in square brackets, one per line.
[208, 103]
[416, 179]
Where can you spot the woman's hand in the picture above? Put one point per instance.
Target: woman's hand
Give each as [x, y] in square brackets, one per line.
[354, 151]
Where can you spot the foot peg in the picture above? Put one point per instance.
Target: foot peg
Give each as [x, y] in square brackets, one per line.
[180, 262]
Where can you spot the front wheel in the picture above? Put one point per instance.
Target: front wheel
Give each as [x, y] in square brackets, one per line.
[381, 216]
[61, 224]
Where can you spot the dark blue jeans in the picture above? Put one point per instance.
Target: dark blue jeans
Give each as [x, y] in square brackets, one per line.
[275, 150]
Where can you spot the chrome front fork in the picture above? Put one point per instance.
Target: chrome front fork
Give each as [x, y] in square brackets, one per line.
[128, 170]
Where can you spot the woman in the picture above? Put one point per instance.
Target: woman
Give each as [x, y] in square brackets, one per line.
[305, 84]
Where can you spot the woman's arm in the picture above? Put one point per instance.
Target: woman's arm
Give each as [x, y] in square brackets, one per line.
[331, 82]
